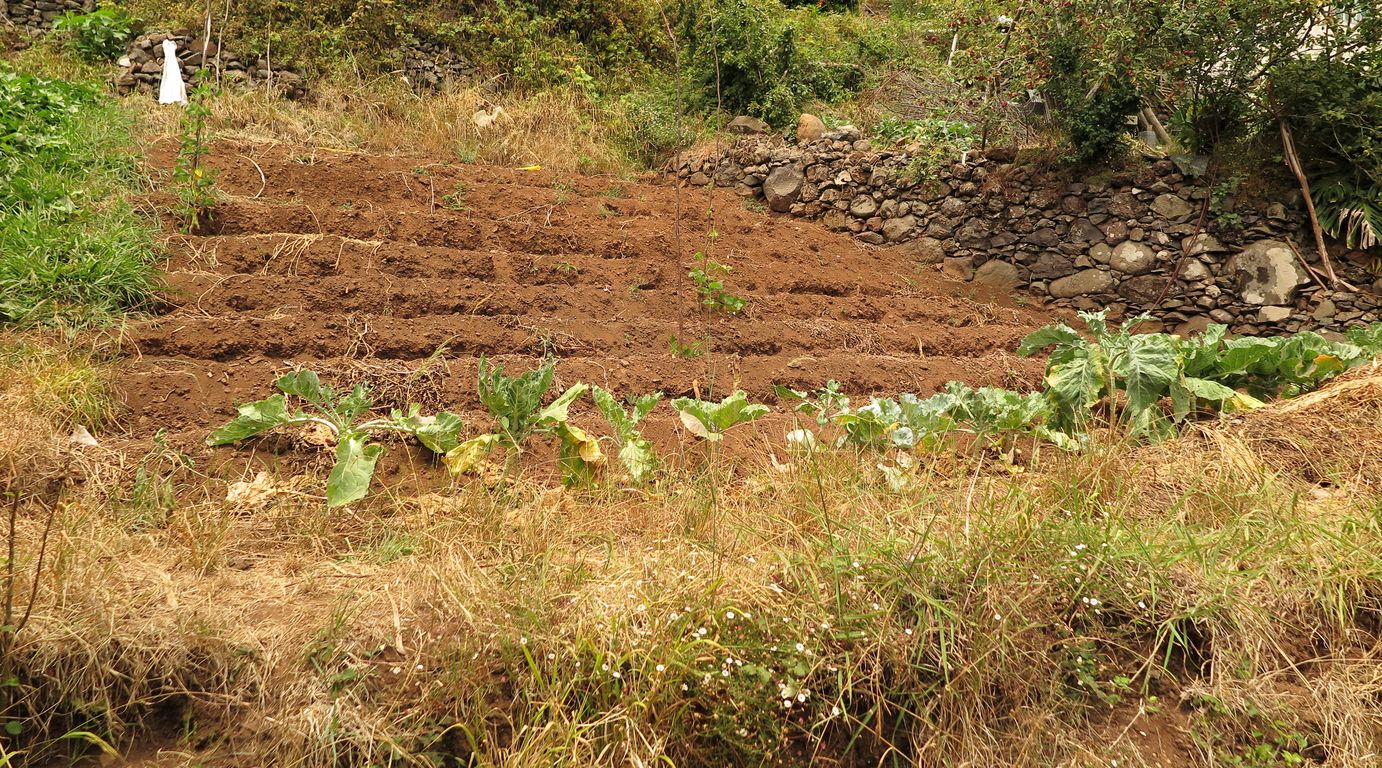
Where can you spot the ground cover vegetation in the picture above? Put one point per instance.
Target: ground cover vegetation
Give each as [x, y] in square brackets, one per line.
[72, 249]
[1167, 553]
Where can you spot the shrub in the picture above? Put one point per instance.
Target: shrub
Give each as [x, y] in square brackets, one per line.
[100, 35]
[71, 249]
[773, 61]
[648, 125]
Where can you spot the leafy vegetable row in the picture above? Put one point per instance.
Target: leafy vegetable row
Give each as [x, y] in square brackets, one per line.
[1148, 382]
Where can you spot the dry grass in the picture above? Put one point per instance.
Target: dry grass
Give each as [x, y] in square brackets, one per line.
[562, 130]
[1192, 592]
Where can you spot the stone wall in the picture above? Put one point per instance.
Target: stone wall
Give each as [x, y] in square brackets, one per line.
[141, 69]
[1107, 242]
[37, 15]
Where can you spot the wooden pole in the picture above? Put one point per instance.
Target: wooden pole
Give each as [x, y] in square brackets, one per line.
[1288, 146]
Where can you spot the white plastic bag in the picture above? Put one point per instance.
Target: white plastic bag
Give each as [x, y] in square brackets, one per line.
[171, 90]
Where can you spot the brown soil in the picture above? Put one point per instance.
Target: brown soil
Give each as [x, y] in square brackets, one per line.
[364, 268]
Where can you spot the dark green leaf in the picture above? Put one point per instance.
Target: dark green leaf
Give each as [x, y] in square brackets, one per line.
[350, 477]
[252, 419]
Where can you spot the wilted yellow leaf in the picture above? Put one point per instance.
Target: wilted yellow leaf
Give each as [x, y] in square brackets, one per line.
[465, 456]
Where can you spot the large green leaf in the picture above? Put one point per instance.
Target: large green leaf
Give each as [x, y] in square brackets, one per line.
[252, 419]
[556, 412]
[638, 458]
[306, 385]
[441, 434]
[715, 418]
[1058, 335]
[1148, 366]
[1076, 386]
[350, 477]
[613, 412]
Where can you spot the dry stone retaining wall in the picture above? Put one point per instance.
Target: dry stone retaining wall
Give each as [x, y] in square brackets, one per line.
[36, 16]
[141, 68]
[1109, 242]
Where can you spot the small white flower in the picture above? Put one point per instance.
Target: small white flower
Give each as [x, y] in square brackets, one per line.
[729, 614]
[834, 711]
[397, 670]
[907, 631]
[618, 675]
[701, 631]
[661, 668]
[800, 647]
[551, 657]
[1141, 605]
[997, 617]
[724, 673]
[522, 641]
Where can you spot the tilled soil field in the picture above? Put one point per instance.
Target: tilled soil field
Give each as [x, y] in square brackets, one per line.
[401, 273]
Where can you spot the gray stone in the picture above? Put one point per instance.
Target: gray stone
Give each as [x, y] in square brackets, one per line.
[873, 238]
[1084, 231]
[958, 267]
[1046, 238]
[997, 274]
[923, 250]
[744, 125]
[835, 221]
[783, 187]
[1192, 327]
[863, 206]
[898, 228]
[1202, 243]
[1325, 310]
[1273, 314]
[1100, 252]
[1194, 270]
[1133, 258]
[1084, 282]
[1221, 316]
[809, 128]
[1169, 206]
[1267, 272]
[1142, 290]
[1051, 265]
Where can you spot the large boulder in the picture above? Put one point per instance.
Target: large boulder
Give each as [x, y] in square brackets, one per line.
[898, 228]
[1087, 281]
[809, 129]
[1133, 258]
[783, 187]
[747, 126]
[1267, 272]
[863, 206]
[923, 250]
[997, 274]
[1169, 206]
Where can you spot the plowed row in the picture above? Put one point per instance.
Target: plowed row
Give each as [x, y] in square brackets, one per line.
[364, 267]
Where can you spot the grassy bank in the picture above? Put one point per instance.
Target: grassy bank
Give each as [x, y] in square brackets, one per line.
[1212, 601]
[73, 251]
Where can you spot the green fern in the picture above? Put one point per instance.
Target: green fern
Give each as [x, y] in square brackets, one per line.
[1349, 211]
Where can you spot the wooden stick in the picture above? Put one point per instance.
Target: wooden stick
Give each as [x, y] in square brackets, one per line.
[1155, 124]
[1288, 146]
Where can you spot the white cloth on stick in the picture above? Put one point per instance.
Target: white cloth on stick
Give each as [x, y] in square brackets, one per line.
[172, 90]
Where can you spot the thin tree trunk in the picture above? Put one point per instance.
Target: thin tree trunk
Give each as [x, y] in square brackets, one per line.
[1288, 146]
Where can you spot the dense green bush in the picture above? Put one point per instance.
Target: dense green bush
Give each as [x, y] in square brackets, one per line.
[100, 35]
[72, 251]
[650, 124]
[773, 60]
